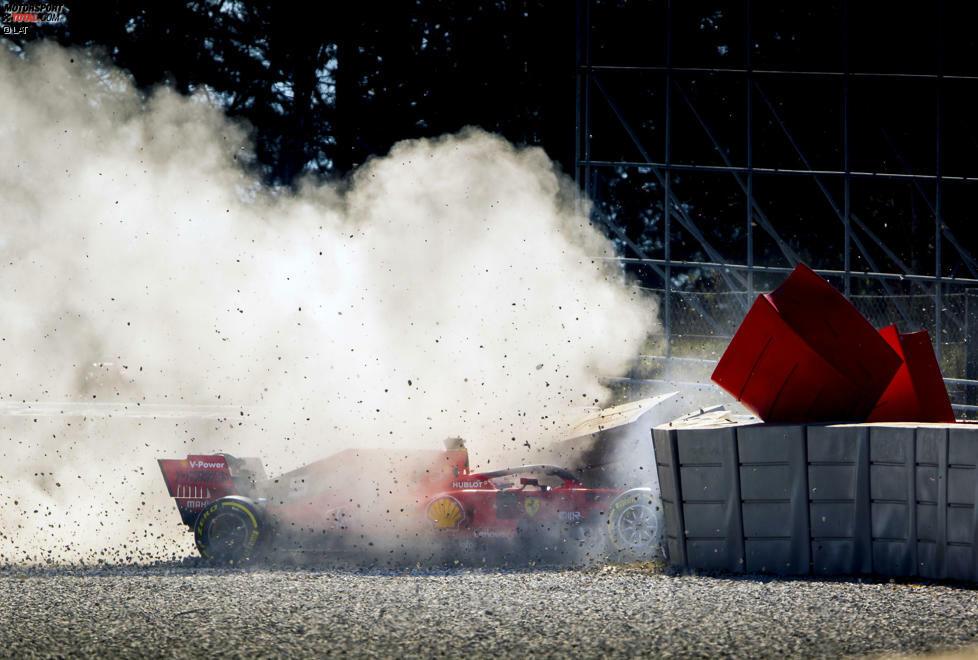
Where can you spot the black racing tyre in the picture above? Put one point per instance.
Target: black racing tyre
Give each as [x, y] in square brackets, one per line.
[228, 530]
[635, 525]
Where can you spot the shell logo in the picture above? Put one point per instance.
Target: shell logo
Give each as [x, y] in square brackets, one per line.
[445, 512]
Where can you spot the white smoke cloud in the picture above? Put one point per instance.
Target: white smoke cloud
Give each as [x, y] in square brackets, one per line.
[158, 300]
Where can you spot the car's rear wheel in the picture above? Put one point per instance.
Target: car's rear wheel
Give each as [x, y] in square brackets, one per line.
[228, 530]
[635, 525]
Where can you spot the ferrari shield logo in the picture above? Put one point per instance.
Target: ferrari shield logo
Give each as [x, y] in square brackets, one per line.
[532, 505]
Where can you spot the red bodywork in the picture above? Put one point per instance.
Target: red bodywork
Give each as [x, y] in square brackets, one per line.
[416, 493]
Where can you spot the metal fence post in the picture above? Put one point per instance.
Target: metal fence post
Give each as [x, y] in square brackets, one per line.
[667, 192]
[971, 345]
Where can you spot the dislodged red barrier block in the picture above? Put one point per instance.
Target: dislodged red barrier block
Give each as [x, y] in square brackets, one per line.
[917, 392]
[836, 330]
[771, 370]
[804, 353]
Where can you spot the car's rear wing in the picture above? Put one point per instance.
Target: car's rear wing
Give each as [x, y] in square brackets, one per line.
[202, 478]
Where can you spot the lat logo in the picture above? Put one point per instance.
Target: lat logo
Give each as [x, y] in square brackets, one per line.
[17, 18]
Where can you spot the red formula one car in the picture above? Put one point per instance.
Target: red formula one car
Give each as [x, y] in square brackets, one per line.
[369, 501]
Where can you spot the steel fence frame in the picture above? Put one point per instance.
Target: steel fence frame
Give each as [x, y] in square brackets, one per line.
[740, 277]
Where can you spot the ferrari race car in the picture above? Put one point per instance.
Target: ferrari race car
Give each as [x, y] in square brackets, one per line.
[373, 500]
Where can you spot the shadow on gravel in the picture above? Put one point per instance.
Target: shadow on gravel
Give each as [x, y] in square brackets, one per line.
[767, 578]
[317, 562]
[432, 565]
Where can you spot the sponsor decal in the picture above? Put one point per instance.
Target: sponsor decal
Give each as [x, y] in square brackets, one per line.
[445, 512]
[204, 465]
[203, 476]
[491, 533]
[531, 505]
[467, 484]
[569, 516]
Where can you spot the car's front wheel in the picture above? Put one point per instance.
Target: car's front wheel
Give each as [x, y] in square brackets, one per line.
[635, 525]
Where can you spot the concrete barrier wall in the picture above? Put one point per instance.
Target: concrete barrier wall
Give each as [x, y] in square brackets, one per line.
[890, 499]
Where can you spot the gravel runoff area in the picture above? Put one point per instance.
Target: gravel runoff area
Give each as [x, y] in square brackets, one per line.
[184, 611]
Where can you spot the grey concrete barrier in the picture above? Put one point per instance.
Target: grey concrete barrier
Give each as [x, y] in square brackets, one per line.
[831, 499]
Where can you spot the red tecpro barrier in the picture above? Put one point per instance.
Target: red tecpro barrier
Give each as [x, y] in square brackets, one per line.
[917, 392]
[804, 354]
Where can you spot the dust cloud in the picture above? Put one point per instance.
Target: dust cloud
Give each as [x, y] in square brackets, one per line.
[158, 300]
